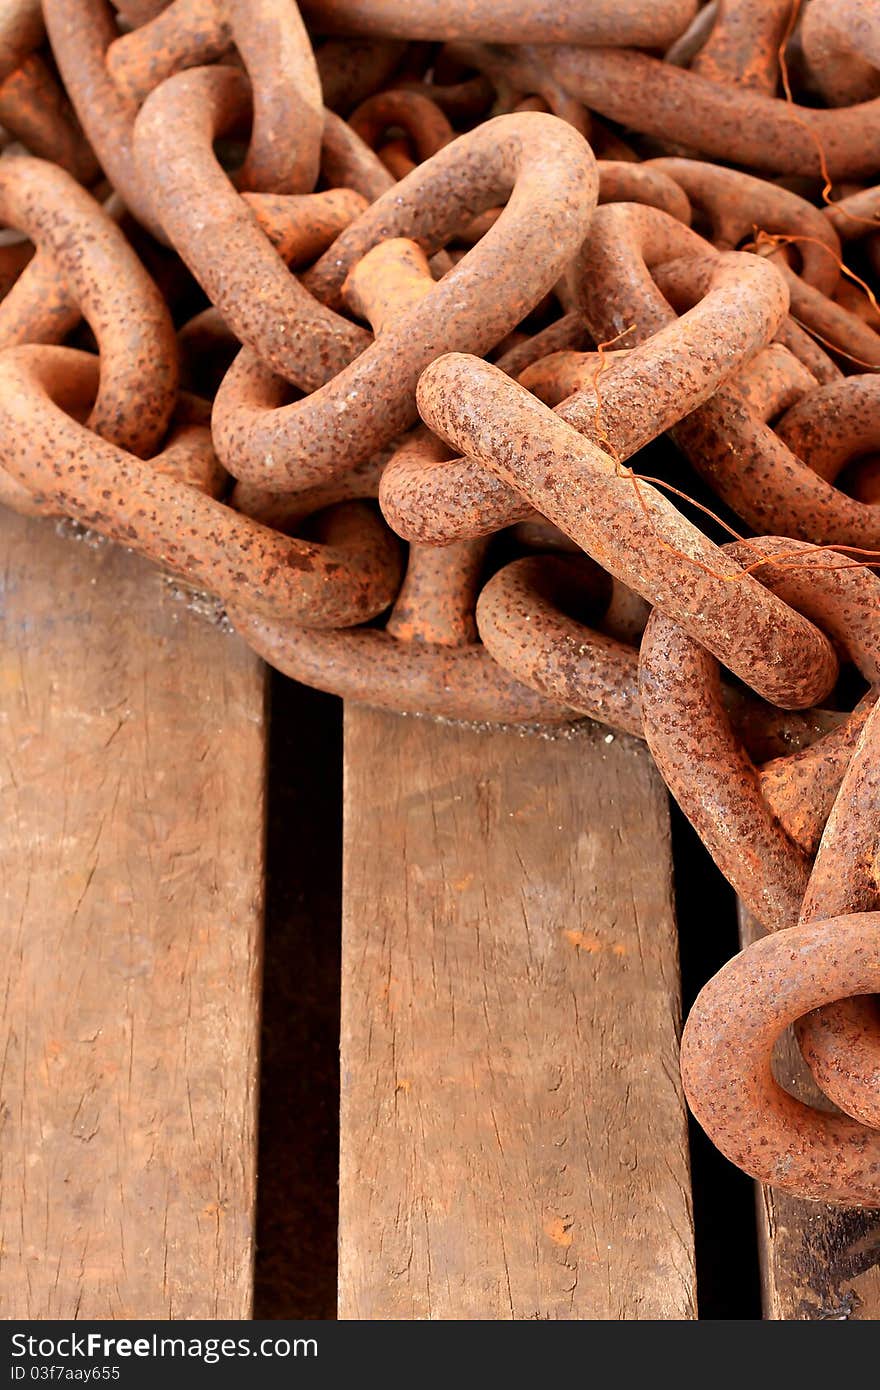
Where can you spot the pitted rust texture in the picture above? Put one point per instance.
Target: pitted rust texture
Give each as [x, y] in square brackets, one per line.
[753, 469]
[726, 1056]
[347, 162]
[815, 975]
[285, 147]
[350, 578]
[332, 318]
[644, 94]
[621, 181]
[738, 205]
[423, 123]
[641, 539]
[726, 440]
[184, 34]
[374, 668]
[234, 262]
[841, 45]
[427, 498]
[742, 47]
[560, 625]
[522, 619]
[841, 1042]
[832, 425]
[548, 173]
[703, 762]
[79, 246]
[80, 32]
[350, 70]
[508, 21]
[35, 109]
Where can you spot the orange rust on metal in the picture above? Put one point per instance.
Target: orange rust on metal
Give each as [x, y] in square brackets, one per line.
[726, 1055]
[702, 761]
[98, 273]
[509, 21]
[350, 577]
[547, 170]
[742, 48]
[641, 539]
[462, 214]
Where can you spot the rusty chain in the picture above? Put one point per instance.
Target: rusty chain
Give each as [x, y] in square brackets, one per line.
[432, 342]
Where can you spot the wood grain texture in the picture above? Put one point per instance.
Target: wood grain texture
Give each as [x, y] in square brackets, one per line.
[513, 1142]
[131, 784]
[818, 1262]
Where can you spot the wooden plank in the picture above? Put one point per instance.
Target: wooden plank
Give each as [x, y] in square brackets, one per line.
[513, 1137]
[818, 1262]
[132, 738]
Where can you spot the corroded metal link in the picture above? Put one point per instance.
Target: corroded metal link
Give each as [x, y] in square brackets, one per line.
[347, 162]
[422, 677]
[852, 217]
[425, 125]
[712, 778]
[841, 1042]
[139, 11]
[542, 168]
[80, 32]
[562, 626]
[518, 86]
[637, 536]
[351, 70]
[548, 172]
[739, 204]
[742, 48]
[184, 34]
[34, 108]
[703, 762]
[434, 610]
[22, 31]
[833, 425]
[436, 599]
[682, 51]
[430, 499]
[657, 99]
[643, 23]
[769, 487]
[285, 147]
[841, 44]
[301, 226]
[236, 265]
[755, 472]
[799, 785]
[621, 181]
[523, 623]
[351, 578]
[38, 307]
[103, 277]
[727, 1048]
[187, 455]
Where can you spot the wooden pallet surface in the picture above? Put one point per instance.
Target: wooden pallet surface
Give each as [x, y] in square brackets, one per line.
[513, 1134]
[132, 735]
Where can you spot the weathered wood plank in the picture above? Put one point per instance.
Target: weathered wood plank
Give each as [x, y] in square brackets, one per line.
[513, 1135]
[818, 1262]
[131, 784]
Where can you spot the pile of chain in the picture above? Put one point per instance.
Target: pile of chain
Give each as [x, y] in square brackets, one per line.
[285, 291]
